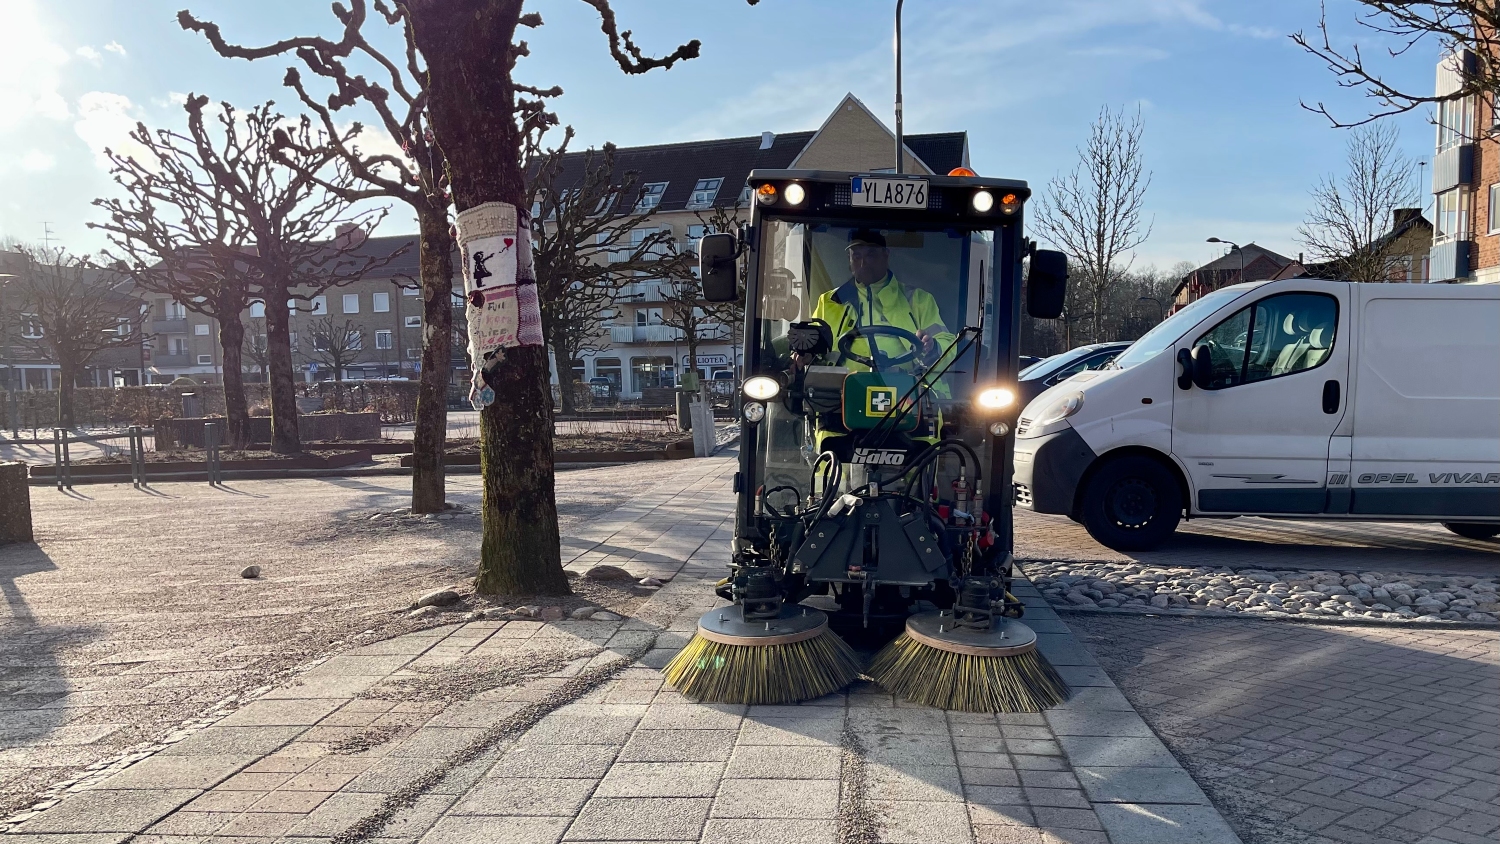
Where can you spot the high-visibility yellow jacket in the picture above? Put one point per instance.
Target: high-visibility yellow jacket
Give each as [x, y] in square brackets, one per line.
[886, 302]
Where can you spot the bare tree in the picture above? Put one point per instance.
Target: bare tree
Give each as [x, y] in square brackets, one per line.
[1452, 26]
[337, 345]
[70, 310]
[256, 348]
[585, 251]
[285, 183]
[416, 177]
[176, 233]
[1094, 213]
[1351, 212]
[481, 117]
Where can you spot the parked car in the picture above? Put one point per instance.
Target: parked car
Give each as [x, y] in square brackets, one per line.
[601, 387]
[1291, 399]
[1054, 370]
[723, 382]
[1028, 360]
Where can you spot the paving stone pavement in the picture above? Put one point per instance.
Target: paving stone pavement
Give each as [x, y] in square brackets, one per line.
[1252, 542]
[625, 759]
[1321, 734]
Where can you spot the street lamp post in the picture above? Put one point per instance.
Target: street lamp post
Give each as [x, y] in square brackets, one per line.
[13, 399]
[1159, 306]
[1236, 249]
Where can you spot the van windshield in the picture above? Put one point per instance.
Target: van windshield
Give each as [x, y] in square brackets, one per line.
[1172, 329]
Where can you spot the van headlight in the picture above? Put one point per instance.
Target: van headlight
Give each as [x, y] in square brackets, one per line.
[761, 387]
[1061, 408]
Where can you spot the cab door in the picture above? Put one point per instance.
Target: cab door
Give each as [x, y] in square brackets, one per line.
[1256, 440]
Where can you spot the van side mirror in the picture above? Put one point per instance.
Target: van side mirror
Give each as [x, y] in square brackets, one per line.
[1185, 375]
[718, 268]
[1047, 285]
[1203, 367]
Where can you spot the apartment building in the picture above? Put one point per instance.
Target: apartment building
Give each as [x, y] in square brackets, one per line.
[24, 363]
[1465, 180]
[685, 182]
[377, 322]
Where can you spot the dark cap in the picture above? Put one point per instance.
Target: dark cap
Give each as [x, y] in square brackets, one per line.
[865, 237]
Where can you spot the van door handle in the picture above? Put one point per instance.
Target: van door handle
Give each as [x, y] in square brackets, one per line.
[1330, 397]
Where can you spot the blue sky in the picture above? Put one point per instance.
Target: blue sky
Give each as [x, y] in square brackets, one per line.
[1218, 84]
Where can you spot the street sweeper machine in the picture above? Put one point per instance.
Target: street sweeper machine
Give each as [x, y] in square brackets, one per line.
[882, 314]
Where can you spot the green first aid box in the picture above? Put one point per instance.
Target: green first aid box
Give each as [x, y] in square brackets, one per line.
[870, 397]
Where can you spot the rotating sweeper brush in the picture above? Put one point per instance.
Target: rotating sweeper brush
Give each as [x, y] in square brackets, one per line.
[869, 426]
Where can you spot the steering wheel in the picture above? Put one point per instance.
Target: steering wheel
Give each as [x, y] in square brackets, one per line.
[877, 358]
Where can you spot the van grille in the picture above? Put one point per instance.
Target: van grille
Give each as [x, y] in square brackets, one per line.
[1023, 495]
[1023, 426]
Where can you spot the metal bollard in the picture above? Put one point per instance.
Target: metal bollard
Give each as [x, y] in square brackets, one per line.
[211, 451]
[57, 473]
[137, 457]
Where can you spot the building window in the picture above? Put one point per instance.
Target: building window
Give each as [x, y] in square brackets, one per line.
[176, 310]
[257, 310]
[31, 327]
[205, 360]
[1455, 122]
[608, 368]
[646, 373]
[319, 305]
[122, 326]
[696, 231]
[1452, 215]
[380, 303]
[704, 193]
[351, 303]
[356, 341]
[413, 290]
[414, 354]
[201, 329]
[291, 340]
[413, 322]
[382, 339]
[651, 195]
[1494, 221]
[744, 196]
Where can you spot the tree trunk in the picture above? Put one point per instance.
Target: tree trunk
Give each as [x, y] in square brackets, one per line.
[430, 436]
[469, 52]
[68, 372]
[285, 438]
[560, 355]
[236, 410]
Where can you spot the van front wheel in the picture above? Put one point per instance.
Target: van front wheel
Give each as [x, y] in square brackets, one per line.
[1473, 530]
[1132, 504]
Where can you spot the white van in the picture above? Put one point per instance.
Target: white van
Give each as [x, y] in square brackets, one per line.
[1294, 399]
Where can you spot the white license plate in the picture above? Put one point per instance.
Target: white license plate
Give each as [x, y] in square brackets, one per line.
[895, 193]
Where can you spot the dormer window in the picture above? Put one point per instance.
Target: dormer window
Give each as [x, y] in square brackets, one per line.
[651, 194]
[704, 193]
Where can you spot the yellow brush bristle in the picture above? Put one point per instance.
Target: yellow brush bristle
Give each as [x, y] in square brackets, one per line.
[932, 677]
[712, 672]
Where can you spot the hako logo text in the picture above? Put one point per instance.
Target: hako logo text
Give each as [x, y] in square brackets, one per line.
[878, 457]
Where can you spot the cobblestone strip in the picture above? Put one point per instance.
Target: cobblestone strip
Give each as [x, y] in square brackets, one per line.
[1317, 735]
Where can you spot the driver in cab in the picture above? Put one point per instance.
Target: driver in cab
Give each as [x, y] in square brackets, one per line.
[873, 296]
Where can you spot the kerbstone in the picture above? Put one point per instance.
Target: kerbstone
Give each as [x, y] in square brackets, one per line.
[1096, 751]
[158, 772]
[1139, 785]
[1090, 722]
[1157, 823]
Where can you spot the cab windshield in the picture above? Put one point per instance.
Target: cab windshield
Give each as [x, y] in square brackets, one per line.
[886, 294]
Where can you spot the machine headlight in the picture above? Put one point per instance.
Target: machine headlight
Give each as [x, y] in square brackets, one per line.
[983, 201]
[1061, 408]
[766, 194]
[794, 194]
[996, 398]
[1010, 204]
[761, 387]
[999, 429]
[754, 411]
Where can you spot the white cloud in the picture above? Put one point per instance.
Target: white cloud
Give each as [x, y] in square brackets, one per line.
[117, 48]
[33, 63]
[105, 121]
[36, 161]
[90, 54]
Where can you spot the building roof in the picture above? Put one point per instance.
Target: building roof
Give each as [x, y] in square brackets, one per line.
[682, 165]
[1250, 262]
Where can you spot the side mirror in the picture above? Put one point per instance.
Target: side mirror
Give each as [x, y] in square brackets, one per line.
[1185, 377]
[1047, 286]
[717, 267]
[1203, 367]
